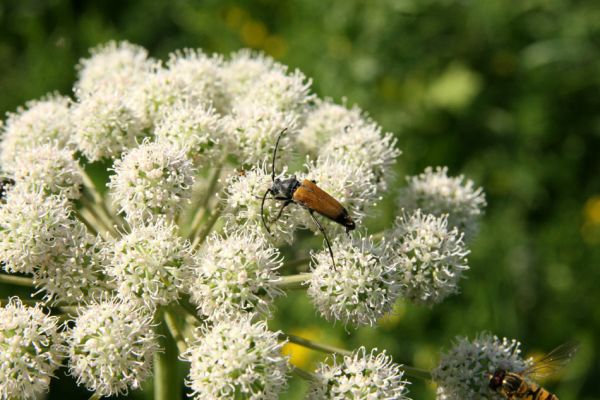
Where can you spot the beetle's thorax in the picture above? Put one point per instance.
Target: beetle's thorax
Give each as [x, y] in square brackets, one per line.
[283, 189]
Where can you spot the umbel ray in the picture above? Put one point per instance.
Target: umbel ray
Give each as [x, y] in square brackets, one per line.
[307, 195]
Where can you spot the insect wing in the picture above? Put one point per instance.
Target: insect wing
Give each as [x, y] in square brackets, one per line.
[553, 361]
[313, 197]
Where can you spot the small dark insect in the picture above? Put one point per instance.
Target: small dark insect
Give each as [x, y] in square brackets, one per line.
[307, 195]
[515, 385]
[5, 184]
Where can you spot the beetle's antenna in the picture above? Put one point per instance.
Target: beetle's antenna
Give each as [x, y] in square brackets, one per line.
[275, 153]
[324, 235]
[262, 210]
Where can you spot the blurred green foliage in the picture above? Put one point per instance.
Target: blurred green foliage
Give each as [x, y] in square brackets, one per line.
[504, 92]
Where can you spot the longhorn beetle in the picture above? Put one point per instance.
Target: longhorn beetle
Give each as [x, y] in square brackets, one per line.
[307, 195]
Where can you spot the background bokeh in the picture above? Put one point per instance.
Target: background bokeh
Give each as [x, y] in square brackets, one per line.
[505, 92]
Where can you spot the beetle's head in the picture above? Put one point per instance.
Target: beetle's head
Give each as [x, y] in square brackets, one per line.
[283, 189]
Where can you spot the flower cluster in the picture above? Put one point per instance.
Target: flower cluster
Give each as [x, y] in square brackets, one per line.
[145, 203]
[359, 288]
[237, 359]
[235, 274]
[31, 349]
[111, 347]
[360, 375]
[464, 371]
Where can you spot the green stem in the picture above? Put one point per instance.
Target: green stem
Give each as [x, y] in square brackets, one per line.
[92, 226]
[325, 348]
[298, 262]
[307, 376]
[206, 228]
[95, 396]
[293, 282]
[98, 203]
[89, 218]
[416, 372]
[412, 371]
[101, 217]
[203, 203]
[173, 326]
[189, 308]
[166, 376]
[16, 280]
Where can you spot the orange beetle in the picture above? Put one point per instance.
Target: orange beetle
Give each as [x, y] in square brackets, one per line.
[307, 195]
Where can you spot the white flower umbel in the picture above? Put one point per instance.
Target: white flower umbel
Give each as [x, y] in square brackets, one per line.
[106, 124]
[256, 79]
[198, 78]
[360, 376]
[41, 121]
[31, 349]
[243, 193]
[119, 65]
[148, 264]
[436, 193]
[48, 168]
[77, 275]
[35, 230]
[196, 128]
[111, 347]
[324, 121]
[235, 274]
[152, 179]
[237, 359]
[361, 286]
[190, 76]
[351, 184]
[464, 371]
[365, 146]
[254, 130]
[431, 257]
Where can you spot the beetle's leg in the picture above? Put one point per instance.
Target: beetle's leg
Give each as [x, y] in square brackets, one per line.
[262, 210]
[324, 235]
[287, 203]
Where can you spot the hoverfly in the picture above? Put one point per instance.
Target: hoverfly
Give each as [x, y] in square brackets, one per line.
[307, 195]
[516, 385]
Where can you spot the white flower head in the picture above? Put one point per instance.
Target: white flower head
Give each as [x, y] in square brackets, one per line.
[235, 274]
[464, 371]
[436, 193]
[152, 179]
[237, 359]
[362, 144]
[189, 76]
[111, 347]
[350, 184]
[106, 124]
[47, 120]
[198, 77]
[431, 257]
[48, 168]
[360, 376]
[254, 131]
[31, 349]
[77, 275]
[196, 128]
[324, 121]
[35, 230]
[149, 263]
[256, 79]
[243, 196]
[119, 65]
[360, 288]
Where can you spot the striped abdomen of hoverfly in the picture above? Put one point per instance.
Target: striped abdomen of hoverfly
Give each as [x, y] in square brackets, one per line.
[515, 386]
